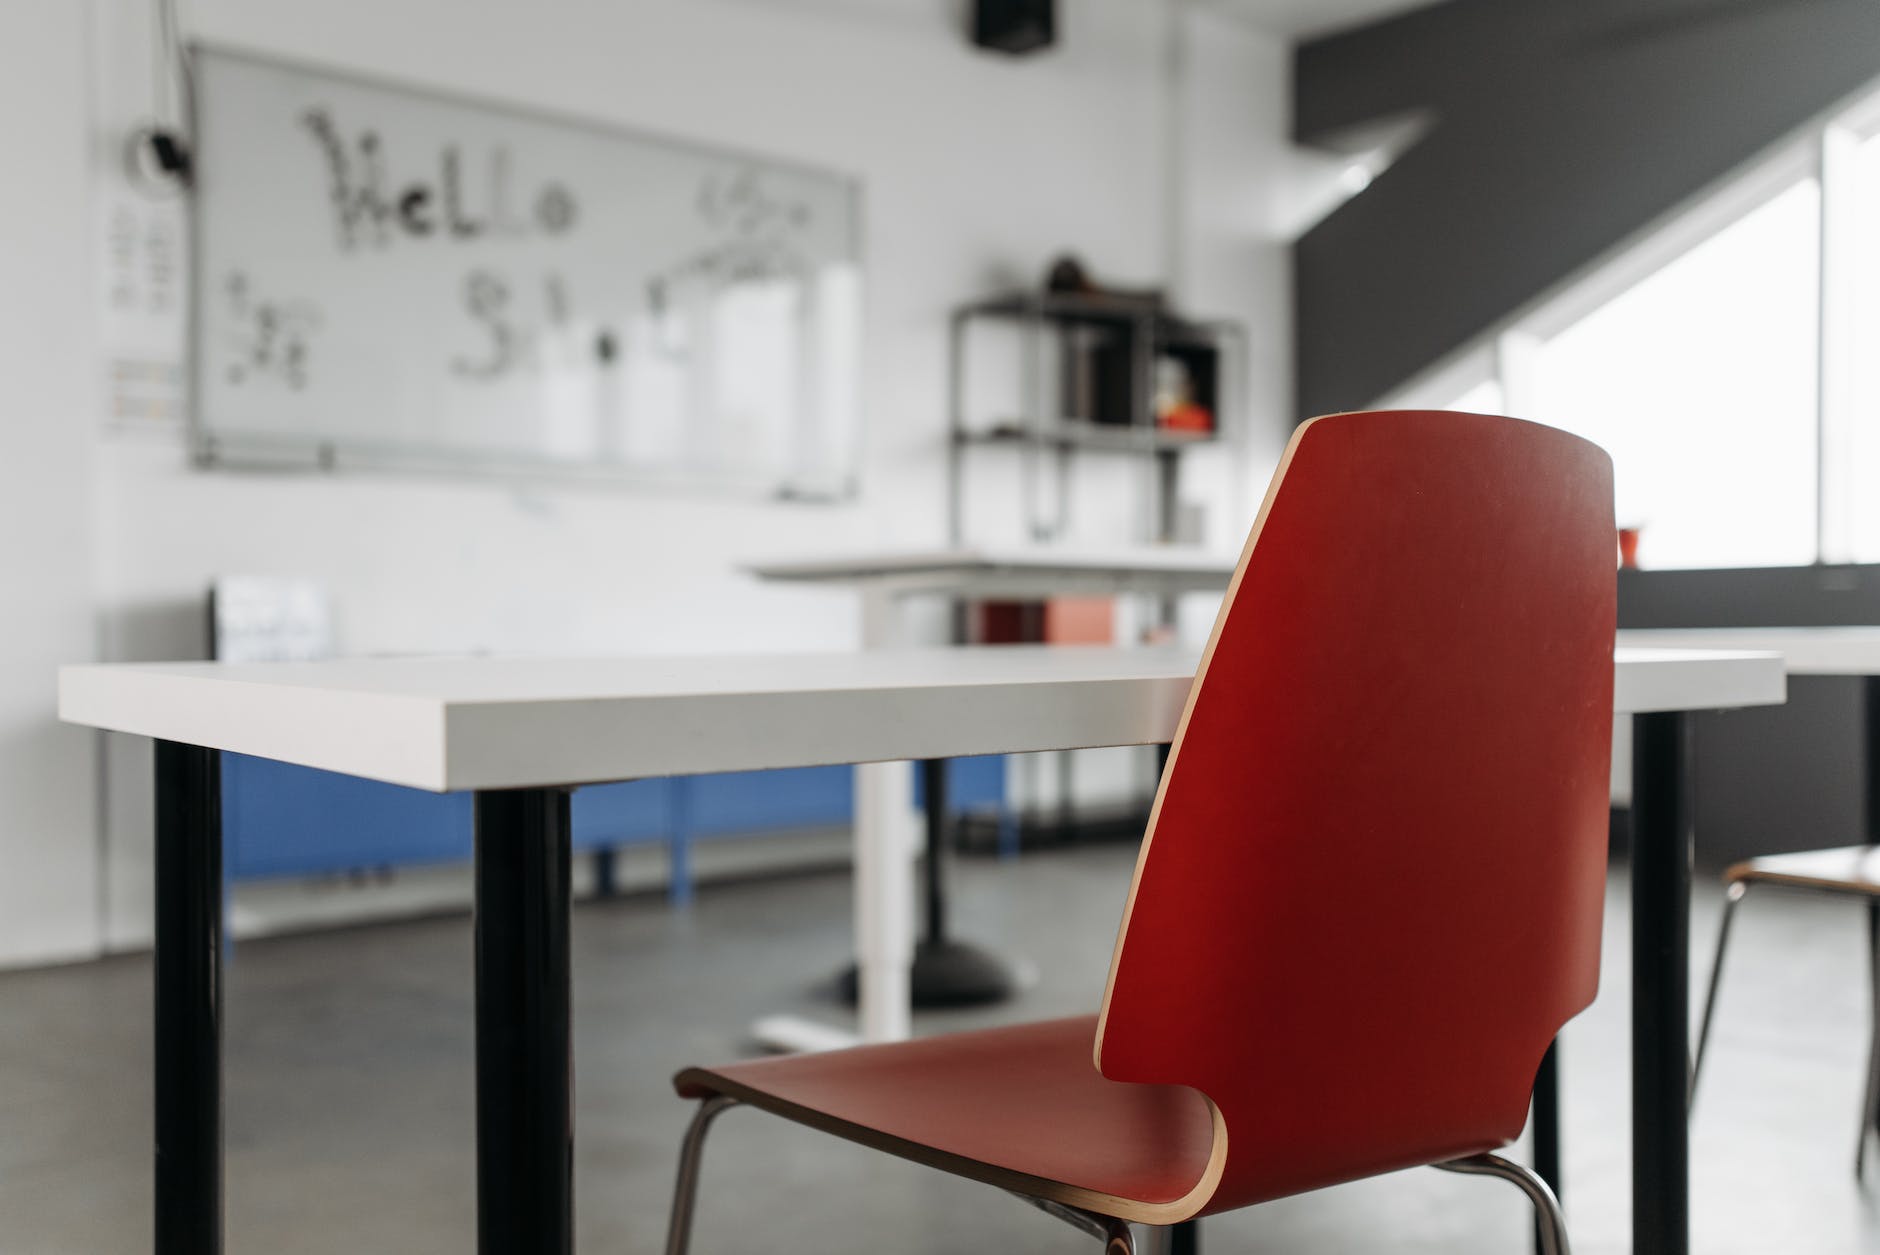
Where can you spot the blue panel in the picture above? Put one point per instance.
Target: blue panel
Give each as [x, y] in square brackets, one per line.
[281, 820]
[973, 784]
[619, 814]
[797, 797]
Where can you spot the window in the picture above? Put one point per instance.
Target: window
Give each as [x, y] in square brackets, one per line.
[1727, 363]
[1484, 398]
[1700, 381]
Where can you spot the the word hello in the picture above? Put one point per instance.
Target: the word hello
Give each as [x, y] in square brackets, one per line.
[366, 210]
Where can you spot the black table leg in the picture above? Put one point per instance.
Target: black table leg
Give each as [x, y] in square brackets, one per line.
[188, 957]
[1547, 1125]
[1661, 897]
[933, 784]
[525, 1140]
[1870, 759]
[948, 972]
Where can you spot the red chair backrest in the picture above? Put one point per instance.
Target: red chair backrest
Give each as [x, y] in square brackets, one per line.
[1371, 890]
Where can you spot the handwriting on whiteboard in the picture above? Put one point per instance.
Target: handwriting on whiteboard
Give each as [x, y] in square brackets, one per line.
[509, 341]
[271, 336]
[756, 235]
[371, 207]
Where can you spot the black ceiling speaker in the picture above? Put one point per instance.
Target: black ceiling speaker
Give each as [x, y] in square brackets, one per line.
[1014, 26]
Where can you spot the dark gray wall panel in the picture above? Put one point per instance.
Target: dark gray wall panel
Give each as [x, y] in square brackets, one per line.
[1779, 778]
[1562, 127]
[1814, 596]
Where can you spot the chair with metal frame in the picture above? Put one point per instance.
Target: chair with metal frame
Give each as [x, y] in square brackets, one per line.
[1848, 871]
[1371, 889]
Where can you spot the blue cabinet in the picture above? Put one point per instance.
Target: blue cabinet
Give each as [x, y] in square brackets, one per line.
[796, 797]
[623, 814]
[282, 820]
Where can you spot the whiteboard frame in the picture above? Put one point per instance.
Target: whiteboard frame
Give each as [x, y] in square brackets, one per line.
[213, 450]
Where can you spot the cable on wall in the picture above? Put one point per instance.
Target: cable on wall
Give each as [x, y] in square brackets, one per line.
[157, 152]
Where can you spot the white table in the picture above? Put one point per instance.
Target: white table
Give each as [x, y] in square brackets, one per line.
[887, 579]
[1015, 571]
[1805, 650]
[520, 732]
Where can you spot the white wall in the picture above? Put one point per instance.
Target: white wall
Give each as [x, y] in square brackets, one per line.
[48, 835]
[977, 170]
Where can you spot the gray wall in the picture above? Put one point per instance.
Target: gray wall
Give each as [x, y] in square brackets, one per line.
[1561, 127]
[1779, 778]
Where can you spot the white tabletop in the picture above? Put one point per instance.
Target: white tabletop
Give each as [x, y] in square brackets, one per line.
[1039, 569]
[1806, 650]
[488, 723]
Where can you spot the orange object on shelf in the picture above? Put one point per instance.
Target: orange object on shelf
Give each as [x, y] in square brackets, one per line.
[1188, 417]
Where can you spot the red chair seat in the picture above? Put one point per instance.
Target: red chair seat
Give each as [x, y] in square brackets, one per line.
[1021, 1107]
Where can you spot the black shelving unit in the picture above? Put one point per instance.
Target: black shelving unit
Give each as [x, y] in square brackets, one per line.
[1088, 366]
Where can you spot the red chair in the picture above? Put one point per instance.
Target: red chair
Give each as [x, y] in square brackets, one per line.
[1371, 890]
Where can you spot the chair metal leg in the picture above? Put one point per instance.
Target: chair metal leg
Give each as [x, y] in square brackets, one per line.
[685, 1191]
[1551, 1227]
[1870, 1106]
[1113, 1233]
[1156, 1240]
[1732, 896]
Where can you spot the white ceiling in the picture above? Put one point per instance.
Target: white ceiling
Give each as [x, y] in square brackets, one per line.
[1299, 19]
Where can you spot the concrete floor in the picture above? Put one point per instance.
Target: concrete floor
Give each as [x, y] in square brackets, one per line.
[350, 1125]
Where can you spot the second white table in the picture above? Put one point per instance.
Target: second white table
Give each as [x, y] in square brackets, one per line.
[886, 584]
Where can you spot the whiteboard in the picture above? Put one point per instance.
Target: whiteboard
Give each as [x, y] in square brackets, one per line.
[388, 276]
